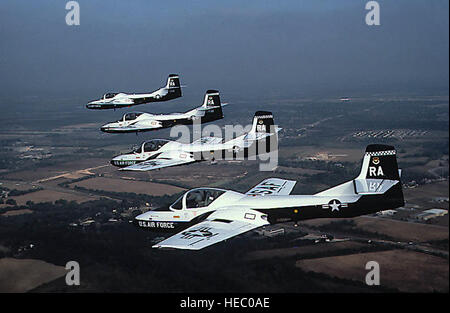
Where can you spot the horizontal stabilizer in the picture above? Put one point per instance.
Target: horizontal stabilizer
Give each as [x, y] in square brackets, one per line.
[373, 186]
[203, 108]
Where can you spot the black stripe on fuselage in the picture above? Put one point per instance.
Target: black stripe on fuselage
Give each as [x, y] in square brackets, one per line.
[366, 204]
[188, 121]
[105, 106]
[173, 94]
[165, 124]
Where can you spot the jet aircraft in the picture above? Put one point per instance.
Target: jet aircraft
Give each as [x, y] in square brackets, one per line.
[160, 153]
[211, 110]
[115, 100]
[205, 216]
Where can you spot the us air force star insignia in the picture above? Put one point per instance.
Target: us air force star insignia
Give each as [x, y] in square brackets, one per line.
[334, 205]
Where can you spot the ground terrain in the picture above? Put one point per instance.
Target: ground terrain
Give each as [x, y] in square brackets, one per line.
[62, 200]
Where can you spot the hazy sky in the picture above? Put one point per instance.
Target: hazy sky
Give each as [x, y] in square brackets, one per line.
[248, 47]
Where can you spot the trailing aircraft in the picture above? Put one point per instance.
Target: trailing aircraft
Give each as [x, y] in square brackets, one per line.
[211, 110]
[160, 153]
[205, 216]
[115, 100]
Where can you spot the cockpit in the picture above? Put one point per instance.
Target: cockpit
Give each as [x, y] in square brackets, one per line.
[197, 198]
[109, 95]
[151, 145]
[131, 116]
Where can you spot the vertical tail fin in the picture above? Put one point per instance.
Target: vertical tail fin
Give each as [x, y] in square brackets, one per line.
[173, 87]
[263, 123]
[212, 99]
[379, 181]
[380, 162]
[173, 81]
[264, 129]
[212, 106]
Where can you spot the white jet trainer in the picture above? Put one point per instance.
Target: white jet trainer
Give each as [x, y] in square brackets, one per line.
[205, 216]
[211, 110]
[116, 100]
[159, 153]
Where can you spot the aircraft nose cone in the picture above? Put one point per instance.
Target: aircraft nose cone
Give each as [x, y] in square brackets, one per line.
[108, 128]
[93, 105]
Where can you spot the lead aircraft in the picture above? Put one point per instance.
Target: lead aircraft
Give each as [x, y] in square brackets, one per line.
[160, 153]
[205, 216]
[211, 110]
[115, 100]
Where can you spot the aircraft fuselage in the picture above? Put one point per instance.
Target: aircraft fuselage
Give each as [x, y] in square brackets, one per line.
[277, 209]
[123, 100]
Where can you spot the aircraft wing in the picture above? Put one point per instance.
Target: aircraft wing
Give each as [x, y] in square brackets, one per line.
[259, 135]
[158, 163]
[245, 141]
[208, 140]
[211, 107]
[217, 228]
[272, 186]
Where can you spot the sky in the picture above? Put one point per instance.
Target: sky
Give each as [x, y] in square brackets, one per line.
[253, 48]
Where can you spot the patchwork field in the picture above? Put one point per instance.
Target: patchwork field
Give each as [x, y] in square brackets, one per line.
[404, 270]
[202, 174]
[423, 195]
[402, 231]
[16, 212]
[53, 172]
[334, 154]
[332, 247]
[298, 170]
[16, 185]
[51, 196]
[22, 275]
[128, 185]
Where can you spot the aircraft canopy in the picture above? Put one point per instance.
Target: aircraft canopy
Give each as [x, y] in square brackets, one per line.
[131, 116]
[154, 145]
[109, 95]
[197, 198]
